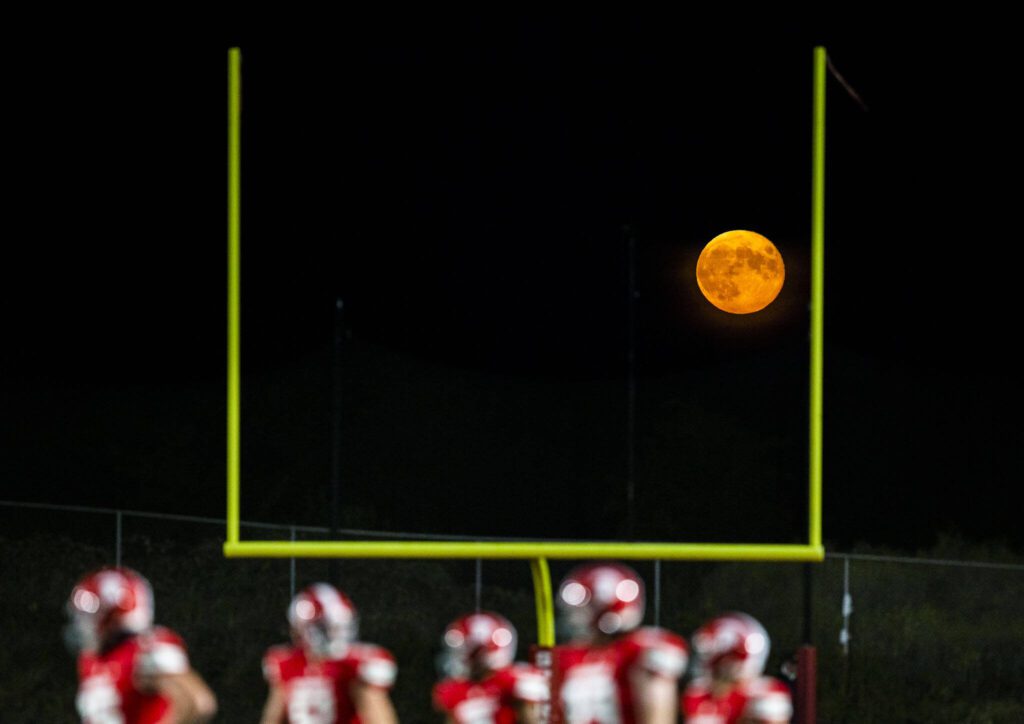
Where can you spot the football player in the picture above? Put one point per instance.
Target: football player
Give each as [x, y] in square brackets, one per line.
[613, 670]
[326, 676]
[482, 684]
[129, 671]
[731, 652]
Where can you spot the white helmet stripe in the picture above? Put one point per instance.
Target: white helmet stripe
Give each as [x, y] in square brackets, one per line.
[334, 607]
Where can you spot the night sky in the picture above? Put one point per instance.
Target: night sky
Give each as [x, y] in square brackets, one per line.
[468, 187]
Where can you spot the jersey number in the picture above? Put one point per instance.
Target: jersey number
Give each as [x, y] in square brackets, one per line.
[311, 702]
[589, 695]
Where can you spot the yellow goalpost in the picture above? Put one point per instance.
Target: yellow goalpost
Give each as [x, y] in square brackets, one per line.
[538, 552]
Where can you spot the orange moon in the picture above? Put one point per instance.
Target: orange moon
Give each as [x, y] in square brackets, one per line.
[740, 272]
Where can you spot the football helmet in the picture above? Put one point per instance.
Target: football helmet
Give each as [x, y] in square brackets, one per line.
[323, 621]
[483, 641]
[732, 647]
[601, 598]
[106, 603]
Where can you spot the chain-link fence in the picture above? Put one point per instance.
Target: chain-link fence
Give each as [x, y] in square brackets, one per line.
[899, 638]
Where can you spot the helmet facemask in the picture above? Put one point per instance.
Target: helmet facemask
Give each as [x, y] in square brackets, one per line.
[600, 601]
[323, 622]
[328, 641]
[732, 648]
[477, 645]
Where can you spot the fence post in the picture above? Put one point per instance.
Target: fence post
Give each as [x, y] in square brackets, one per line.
[291, 566]
[478, 587]
[844, 633]
[657, 593]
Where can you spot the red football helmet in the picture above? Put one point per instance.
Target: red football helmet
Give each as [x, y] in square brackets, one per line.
[601, 598]
[732, 647]
[323, 621]
[479, 641]
[108, 602]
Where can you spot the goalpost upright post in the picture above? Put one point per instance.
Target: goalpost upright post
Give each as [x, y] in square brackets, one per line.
[817, 296]
[234, 296]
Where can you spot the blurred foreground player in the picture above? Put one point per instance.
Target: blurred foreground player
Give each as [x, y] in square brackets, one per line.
[326, 676]
[612, 670]
[130, 672]
[482, 684]
[731, 652]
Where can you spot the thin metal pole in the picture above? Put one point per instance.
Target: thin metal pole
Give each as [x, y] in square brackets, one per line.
[291, 568]
[117, 553]
[657, 593]
[631, 388]
[844, 634]
[479, 582]
[336, 420]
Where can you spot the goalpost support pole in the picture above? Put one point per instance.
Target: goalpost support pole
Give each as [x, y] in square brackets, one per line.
[537, 552]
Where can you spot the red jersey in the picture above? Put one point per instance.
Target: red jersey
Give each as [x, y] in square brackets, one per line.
[112, 686]
[594, 685]
[493, 700]
[320, 692]
[761, 700]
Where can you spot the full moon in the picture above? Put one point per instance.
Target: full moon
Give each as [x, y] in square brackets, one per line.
[740, 272]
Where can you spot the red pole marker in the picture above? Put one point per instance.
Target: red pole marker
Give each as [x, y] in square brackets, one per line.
[806, 704]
